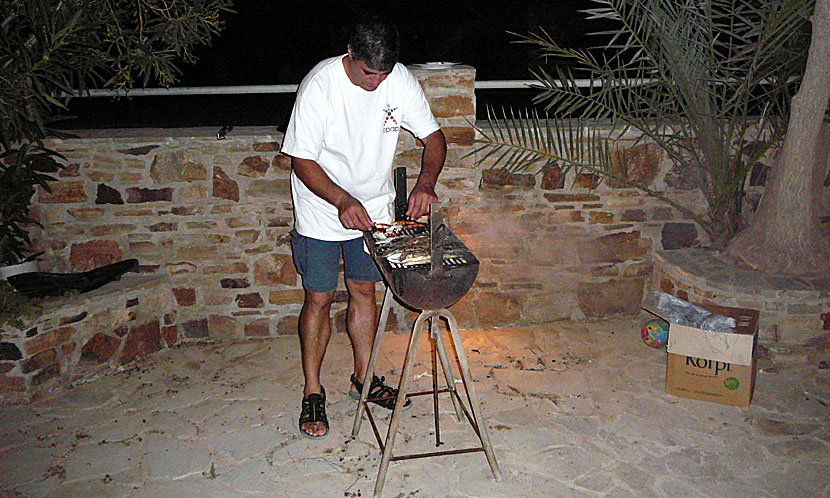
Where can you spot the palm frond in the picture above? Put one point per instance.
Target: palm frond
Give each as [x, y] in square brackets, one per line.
[692, 76]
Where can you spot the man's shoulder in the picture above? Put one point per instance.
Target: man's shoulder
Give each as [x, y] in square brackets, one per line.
[326, 64]
[402, 72]
[322, 71]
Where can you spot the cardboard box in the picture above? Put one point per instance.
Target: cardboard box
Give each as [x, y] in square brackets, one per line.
[714, 366]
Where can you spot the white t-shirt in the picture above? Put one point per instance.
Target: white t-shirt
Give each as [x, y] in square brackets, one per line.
[352, 134]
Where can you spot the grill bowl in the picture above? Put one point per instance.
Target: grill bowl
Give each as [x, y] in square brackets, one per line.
[418, 288]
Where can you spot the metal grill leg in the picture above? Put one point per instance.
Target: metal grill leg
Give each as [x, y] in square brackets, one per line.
[406, 374]
[467, 379]
[370, 369]
[433, 353]
[445, 365]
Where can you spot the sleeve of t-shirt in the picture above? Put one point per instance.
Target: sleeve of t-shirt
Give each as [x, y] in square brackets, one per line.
[417, 116]
[306, 128]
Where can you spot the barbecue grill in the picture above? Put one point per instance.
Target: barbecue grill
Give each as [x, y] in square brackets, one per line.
[431, 288]
[436, 285]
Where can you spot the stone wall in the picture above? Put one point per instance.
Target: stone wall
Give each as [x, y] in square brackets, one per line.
[211, 217]
[557, 248]
[76, 335]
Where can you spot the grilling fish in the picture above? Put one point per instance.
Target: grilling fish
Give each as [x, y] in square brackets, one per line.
[384, 231]
[406, 243]
[411, 242]
[409, 257]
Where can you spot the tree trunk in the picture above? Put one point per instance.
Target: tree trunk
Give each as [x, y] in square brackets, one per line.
[786, 234]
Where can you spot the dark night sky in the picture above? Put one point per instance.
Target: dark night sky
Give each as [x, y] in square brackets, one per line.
[267, 42]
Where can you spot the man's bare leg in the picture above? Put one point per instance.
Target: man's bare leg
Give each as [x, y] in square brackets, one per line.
[315, 332]
[361, 321]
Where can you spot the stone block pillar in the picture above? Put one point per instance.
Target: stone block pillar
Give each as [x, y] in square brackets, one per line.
[451, 95]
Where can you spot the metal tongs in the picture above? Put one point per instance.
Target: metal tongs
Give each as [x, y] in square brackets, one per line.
[437, 233]
[437, 229]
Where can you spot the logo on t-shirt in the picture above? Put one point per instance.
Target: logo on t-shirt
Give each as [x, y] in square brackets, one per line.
[390, 117]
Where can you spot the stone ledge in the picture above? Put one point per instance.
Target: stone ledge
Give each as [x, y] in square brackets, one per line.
[164, 134]
[794, 310]
[76, 335]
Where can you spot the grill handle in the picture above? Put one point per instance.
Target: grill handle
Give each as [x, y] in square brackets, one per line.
[436, 240]
[400, 193]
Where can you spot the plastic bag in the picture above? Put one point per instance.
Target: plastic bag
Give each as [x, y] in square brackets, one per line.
[684, 313]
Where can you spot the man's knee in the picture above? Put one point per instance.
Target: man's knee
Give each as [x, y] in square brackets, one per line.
[319, 300]
[360, 289]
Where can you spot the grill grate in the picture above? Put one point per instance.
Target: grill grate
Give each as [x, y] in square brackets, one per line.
[448, 263]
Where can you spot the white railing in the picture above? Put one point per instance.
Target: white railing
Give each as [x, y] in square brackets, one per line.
[264, 89]
[195, 90]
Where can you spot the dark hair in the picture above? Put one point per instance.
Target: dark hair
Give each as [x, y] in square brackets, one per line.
[376, 42]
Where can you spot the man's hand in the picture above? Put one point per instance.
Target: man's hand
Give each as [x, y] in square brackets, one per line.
[435, 152]
[353, 215]
[351, 212]
[419, 200]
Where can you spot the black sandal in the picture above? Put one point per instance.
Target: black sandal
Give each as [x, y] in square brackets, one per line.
[379, 393]
[314, 410]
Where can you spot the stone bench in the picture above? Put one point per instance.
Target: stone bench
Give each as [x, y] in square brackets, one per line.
[795, 311]
[75, 336]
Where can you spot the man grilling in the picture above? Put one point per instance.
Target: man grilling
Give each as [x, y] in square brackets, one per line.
[342, 137]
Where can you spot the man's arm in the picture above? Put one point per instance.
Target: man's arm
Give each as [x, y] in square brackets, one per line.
[423, 194]
[351, 212]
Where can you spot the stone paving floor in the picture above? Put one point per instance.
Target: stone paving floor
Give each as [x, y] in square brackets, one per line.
[573, 410]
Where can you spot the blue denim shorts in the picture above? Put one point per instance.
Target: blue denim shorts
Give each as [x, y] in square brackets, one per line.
[318, 262]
